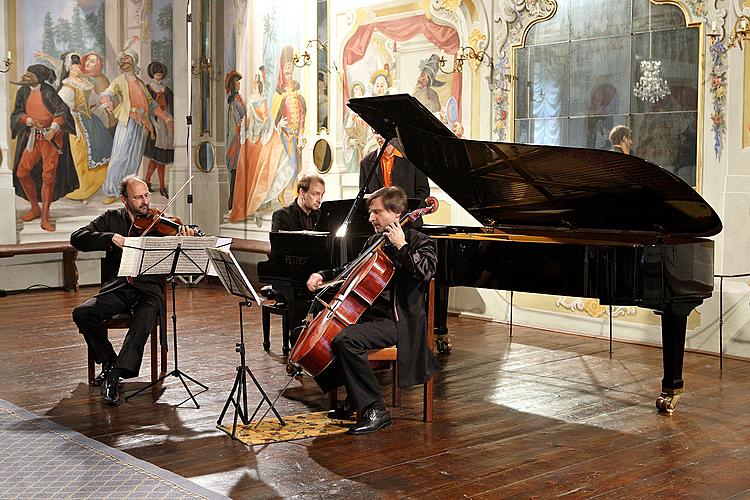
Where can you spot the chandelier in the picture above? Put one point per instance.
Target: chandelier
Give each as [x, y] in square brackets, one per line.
[651, 86]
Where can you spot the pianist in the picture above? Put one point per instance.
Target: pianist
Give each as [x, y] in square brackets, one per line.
[397, 317]
[304, 212]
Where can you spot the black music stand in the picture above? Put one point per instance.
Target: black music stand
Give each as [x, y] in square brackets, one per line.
[236, 283]
[169, 256]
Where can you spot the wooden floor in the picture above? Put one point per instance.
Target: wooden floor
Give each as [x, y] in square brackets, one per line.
[544, 415]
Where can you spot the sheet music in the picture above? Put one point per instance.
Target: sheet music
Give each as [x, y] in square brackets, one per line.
[155, 255]
[231, 275]
[221, 243]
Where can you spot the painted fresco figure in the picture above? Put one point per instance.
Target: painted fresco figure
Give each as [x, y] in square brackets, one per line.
[423, 90]
[289, 109]
[235, 117]
[91, 145]
[262, 156]
[381, 81]
[355, 132]
[41, 122]
[91, 66]
[135, 113]
[160, 151]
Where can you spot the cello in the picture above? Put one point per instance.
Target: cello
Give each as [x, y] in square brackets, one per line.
[362, 281]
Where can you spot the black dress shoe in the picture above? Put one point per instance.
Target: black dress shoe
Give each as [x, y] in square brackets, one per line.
[110, 391]
[106, 368]
[371, 420]
[343, 412]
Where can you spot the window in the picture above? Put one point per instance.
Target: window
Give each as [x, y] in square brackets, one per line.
[577, 72]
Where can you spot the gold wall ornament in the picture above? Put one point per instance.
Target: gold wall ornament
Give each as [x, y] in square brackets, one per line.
[740, 32]
[464, 54]
[304, 60]
[592, 307]
[7, 63]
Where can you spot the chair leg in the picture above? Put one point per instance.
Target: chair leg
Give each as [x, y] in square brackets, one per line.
[154, 357]
[427, 410]
[285, 333]
[91, 365]
[266, 328]
[396, 387]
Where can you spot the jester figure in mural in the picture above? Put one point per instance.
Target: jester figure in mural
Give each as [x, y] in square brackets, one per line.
[91, 145]
[41, 122]
[262, 158]
[288, 108]
[235, 117]
[160, 151]
[135, 113]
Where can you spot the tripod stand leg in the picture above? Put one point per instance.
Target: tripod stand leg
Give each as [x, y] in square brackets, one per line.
[265, 398]
[149, 386]
[235, 401]
[205, 387]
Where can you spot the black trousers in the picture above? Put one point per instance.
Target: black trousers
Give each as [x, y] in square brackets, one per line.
[353, 368]
[90, 317]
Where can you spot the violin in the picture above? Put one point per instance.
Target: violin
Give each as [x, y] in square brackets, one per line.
[155, 223]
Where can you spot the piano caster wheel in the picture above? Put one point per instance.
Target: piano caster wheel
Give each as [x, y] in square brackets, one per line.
[666, 403]
[285, 351]
[443, 343]
[266, 346]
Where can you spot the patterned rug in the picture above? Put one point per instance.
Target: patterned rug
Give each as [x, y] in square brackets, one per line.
[42, 459]
[302, 426]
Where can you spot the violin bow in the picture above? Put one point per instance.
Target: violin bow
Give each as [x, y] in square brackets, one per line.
[174, 196]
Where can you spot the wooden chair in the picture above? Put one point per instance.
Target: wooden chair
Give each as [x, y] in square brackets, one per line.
[122, 322]
[390, 355]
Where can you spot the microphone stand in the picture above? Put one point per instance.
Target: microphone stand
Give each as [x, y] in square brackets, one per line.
[341, 231]
[189, 122]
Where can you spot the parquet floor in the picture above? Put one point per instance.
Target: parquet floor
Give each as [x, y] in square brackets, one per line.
[544, 415]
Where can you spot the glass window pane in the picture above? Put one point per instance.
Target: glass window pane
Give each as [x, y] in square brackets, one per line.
[547, 85]
[598, 18]
[600, 89]
[669, 140]
[556, 29]
[662, 16]
[677, 50]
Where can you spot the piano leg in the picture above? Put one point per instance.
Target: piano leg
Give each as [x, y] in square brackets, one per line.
[442, 341]
[673, 327]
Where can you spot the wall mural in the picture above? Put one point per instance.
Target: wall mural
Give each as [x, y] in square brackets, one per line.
[71, 146]
[398, 56]
[266, 110]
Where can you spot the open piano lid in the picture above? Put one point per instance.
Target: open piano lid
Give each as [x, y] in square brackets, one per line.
[519, 186]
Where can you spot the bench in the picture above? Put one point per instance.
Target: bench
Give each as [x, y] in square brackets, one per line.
[251, 246]
[70, 271]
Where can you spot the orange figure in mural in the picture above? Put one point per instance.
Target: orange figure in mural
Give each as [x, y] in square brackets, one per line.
[289, 109]
[43, 164]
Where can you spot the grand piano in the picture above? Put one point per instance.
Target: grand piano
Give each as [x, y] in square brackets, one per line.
[563, 221]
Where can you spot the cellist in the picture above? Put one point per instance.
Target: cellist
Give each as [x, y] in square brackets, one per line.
[397, 317]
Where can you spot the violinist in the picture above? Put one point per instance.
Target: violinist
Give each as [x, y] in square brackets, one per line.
[141, 296]
[397, 317]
